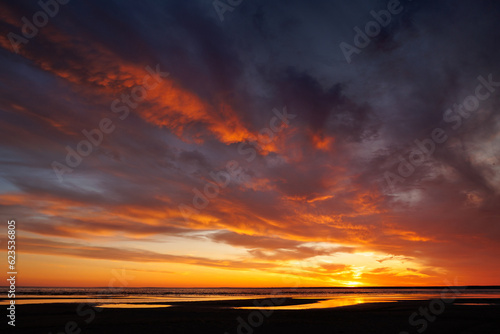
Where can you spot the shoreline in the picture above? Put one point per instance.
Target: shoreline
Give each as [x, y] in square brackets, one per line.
[221, 317]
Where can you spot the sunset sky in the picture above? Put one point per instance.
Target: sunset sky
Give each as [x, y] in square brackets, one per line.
[317, 194]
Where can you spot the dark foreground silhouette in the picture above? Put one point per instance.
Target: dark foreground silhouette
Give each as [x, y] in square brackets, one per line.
[219, 317]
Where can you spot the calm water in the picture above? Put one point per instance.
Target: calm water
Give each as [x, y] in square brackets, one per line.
[163, 297]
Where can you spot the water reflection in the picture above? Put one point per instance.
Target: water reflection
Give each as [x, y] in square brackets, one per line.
[317, 299]
[323, 303]
[132, 306]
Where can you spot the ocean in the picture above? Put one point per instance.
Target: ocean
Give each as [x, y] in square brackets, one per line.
[319, 297]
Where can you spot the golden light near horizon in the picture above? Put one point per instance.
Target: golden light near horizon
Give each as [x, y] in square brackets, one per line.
[325, 266]
[353, 284]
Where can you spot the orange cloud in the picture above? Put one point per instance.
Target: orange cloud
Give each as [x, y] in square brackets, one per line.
[322, 142]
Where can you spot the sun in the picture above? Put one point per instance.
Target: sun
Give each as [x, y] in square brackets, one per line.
[352, 283]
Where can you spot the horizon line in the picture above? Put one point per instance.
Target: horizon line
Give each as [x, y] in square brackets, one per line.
[278, 287]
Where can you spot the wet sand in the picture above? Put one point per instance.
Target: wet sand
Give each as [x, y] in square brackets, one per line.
[476, 316]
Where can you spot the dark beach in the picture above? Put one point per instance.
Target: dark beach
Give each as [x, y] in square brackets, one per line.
[476, 316]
